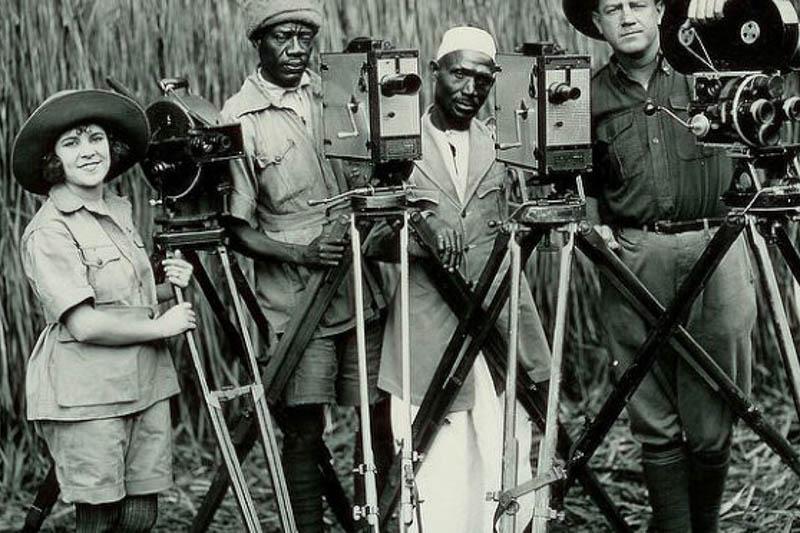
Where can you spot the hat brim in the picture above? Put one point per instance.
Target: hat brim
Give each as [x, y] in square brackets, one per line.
[119, 115]
[579, 14]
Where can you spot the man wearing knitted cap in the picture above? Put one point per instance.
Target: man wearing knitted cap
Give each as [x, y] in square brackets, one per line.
[279, 107]
[655, 197]
[458, 161]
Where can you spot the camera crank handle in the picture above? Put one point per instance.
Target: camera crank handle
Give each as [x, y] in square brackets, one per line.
[698, 125]
[352, 109]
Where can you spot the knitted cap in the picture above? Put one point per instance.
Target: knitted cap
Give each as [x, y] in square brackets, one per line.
[260, 14]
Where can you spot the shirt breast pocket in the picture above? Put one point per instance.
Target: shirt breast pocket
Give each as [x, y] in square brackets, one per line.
[489, 201]
[627, 146]
[106, 272]
[277, 168]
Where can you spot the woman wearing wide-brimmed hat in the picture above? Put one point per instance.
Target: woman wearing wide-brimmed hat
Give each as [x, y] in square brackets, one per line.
[99, 376]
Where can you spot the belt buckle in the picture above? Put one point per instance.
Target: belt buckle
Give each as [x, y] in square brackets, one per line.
[661, 226]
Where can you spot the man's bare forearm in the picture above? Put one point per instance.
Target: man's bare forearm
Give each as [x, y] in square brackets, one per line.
[257, 245]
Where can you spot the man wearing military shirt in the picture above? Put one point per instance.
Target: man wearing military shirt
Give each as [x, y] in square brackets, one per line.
[280, 109]
[655, 199]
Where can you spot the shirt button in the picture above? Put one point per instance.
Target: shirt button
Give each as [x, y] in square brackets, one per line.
[463, 214]
[278, 158]
[655, 140]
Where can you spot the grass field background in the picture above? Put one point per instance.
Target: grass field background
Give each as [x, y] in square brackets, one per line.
[50, 45]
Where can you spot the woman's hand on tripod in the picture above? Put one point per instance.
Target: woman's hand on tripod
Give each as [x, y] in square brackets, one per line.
[177, 320]
[177, 270]
[449, 243]
[323, 251]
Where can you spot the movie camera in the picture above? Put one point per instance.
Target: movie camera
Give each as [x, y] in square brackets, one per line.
[372, 103]
[741, 98]
[543, 110]
[188, 162]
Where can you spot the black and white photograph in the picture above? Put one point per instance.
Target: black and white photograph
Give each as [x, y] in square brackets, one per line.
[400, 266]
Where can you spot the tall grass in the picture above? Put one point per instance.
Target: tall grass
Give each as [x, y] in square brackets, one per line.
[50, 45]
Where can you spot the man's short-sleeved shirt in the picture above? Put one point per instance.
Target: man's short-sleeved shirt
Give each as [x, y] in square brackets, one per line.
[287, 169]
[73, 252]
[649, 168]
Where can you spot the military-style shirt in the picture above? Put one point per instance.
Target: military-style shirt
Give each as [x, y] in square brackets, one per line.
[288, 169]
[76, 251]
[650, 168]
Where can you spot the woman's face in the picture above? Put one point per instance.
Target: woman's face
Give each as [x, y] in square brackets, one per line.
[85, 154]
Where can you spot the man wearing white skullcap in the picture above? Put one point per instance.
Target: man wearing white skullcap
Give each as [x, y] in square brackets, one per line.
[280, 109]
[459, 161]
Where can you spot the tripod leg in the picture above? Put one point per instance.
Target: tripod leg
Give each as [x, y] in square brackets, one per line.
[594, 248]
[788, 250]
[646, 355]
[408, 500]
[440, 397]
[263, 416]
[216, 304]
[243, 497]
[246, 431]
[547, 452]
[250, 300]
[367, 468]
[780, 323]
[458, 296]
[244, 438]
[507, 520]
[43, 503]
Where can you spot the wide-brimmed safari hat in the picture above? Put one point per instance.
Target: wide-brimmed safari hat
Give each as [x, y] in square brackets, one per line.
[117, 114]
[579, 14]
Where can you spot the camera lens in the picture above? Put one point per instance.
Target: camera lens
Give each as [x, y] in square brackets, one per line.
[561, 92]
[400, 84]
[762, 111]
[769, 135]
[791, 108]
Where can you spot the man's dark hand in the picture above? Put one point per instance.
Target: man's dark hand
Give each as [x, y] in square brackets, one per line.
[449, 242]
[323, 251]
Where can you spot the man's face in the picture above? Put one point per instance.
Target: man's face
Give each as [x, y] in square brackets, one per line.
[629, 26]
[463, 81]
[284, 50]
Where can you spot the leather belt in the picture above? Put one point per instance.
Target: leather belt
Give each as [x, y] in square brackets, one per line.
[671, 227]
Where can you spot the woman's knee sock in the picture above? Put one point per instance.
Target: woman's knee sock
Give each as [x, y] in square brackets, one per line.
[138, 514]
[100, 518]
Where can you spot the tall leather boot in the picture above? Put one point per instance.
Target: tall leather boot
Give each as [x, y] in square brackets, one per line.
[303, 426]
[708, 471]
[666, 474]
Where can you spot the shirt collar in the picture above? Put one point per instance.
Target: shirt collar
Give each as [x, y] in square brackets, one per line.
[277, 90]
[67, 201]
[256, 95]
[619, 71]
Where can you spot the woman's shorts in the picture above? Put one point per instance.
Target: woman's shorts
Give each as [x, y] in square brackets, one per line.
[102, 461]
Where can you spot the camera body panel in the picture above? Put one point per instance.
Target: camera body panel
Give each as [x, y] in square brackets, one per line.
[543, 109]
[372, 103]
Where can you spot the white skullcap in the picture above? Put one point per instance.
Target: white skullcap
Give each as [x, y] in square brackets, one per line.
[467, 38]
